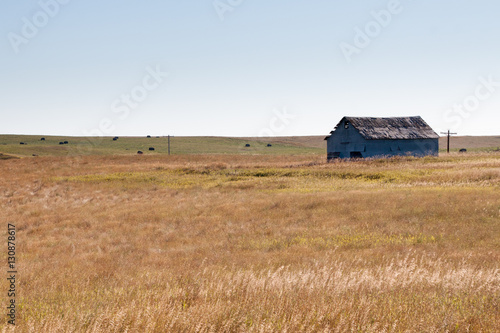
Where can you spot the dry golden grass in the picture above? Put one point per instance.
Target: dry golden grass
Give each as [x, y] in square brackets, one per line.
[222, 243]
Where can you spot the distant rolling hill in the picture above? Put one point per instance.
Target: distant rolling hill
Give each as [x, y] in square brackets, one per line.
[10, 145]
[474, 143]
[32, 145]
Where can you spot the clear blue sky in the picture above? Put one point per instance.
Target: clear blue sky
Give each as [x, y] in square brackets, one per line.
[67, 67]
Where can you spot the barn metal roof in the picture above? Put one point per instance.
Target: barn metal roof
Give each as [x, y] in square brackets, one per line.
[393, 128]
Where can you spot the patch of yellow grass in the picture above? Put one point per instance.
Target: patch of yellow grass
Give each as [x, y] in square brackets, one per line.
[350, 241]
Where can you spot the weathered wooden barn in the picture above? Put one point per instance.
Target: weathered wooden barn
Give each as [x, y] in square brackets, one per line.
[377, 137]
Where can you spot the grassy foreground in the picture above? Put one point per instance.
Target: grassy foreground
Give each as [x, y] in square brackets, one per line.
[238, 243]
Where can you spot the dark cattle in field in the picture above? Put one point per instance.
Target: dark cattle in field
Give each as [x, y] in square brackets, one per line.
[42, 139]
[463, 150]
[151, 148]
[269, 145]
[21, 143]
[114, 139]
[61, 143]
[66, 142]
[247, 145]
[148, 136]
[140, 152]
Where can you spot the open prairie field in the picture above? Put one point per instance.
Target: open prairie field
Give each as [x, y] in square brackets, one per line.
[290, 145]
[264, 243]
[10, 144]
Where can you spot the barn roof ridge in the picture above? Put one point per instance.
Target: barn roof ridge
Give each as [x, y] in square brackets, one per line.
[391, 128]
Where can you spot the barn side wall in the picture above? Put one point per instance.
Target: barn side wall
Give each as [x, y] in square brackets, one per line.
[347, 143]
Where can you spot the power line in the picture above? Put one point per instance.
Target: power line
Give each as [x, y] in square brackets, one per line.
[449, 134]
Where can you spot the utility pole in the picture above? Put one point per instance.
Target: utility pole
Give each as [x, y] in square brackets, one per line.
[448, 141]
[169, 144]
